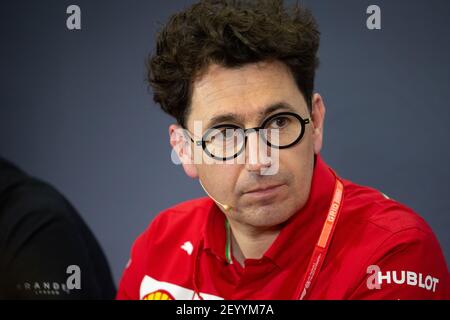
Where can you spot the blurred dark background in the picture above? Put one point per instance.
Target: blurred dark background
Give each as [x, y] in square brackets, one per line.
[75, 110]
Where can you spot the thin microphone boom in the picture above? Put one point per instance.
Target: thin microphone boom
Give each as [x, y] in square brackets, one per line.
[224, 206]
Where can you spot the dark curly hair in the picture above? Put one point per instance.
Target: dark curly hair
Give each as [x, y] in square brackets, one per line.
[230, 33]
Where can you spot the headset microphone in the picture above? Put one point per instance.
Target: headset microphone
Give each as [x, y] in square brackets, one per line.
[224, 206]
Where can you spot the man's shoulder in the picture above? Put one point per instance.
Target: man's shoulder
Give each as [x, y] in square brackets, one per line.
[174, 230]
[366, 206]
[185, 218]
[193, 211]
[375, 230]
[30, 203]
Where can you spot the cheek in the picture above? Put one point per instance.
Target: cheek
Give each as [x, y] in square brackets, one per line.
[219, 178]
[298, 163]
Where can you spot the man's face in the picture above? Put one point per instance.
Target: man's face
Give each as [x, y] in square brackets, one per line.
[244, 95]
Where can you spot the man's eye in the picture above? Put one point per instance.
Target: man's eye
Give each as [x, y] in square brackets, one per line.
[279, 123]
[227, 132]
[222, 134]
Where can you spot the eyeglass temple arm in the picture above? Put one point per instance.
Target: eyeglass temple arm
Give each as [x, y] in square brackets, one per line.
[198, 142]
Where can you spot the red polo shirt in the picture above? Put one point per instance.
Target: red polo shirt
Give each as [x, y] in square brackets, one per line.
[380, 250]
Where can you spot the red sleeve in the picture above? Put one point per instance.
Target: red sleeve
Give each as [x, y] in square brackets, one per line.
[408, 265]
[134, 271]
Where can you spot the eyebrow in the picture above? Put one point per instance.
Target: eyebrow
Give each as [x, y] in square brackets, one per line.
[236, 118]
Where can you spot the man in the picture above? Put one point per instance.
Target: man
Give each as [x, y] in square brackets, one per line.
[46, 249]
[238, 77]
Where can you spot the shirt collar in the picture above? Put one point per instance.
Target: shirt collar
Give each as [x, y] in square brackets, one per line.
[300, 232]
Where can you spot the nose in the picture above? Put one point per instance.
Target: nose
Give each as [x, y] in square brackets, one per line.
[257, 153]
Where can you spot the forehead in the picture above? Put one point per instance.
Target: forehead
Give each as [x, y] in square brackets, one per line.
[245, 91]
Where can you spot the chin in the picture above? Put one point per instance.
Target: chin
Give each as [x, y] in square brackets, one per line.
[269, 215]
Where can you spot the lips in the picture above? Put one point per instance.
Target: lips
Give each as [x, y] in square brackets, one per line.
[263, 189]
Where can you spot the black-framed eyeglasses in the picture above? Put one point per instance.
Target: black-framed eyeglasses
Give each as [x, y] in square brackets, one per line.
[226, 141]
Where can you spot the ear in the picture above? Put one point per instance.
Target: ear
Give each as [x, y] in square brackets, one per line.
[318, 117]
[181, 145]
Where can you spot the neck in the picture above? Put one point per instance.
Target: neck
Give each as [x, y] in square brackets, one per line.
[249, 242]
